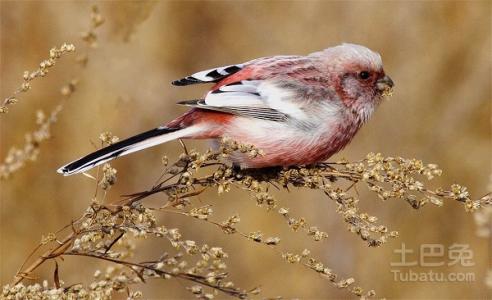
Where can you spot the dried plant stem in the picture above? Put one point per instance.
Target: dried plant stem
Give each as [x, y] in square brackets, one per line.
[58, 250]
[102, 229]
[44, 66]
[17, 158]
[131, 265]
[272, 243]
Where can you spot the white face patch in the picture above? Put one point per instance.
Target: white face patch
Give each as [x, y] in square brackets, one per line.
[365, 110]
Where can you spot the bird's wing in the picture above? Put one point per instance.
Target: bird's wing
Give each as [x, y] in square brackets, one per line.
[239, 98]
[261, 99]
[211, 75]
[268, 88]
[263, 113]
[218, 74]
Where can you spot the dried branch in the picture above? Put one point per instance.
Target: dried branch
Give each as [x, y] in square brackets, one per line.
[41, 71]
[107, 232]
[17, 157]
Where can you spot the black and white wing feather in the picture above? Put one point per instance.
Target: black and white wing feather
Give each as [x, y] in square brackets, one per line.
[247, 98]
[207, 76]
[263, 113]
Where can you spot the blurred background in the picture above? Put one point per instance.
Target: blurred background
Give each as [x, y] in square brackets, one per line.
[437, 53]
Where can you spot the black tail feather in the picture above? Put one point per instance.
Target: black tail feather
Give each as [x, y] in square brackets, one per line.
[111, 151]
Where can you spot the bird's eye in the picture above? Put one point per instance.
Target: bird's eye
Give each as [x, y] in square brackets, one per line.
[364, 75]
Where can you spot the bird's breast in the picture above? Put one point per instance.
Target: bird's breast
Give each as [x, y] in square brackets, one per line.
[287, 144]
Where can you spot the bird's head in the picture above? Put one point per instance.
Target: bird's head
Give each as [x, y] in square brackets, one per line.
[358, 77]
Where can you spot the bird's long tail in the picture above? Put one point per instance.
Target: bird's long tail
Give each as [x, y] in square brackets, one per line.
[138, 142]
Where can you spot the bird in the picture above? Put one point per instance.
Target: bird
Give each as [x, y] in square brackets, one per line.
[299, 110]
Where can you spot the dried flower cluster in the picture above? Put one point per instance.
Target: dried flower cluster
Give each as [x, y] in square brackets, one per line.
[18, 157]
[90, 36]
[28, 77]
[483, 220]
[112, 232]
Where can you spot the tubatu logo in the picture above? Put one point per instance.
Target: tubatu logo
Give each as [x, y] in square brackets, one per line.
[432, 256]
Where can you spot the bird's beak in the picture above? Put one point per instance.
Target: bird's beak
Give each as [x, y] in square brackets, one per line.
[384, 84]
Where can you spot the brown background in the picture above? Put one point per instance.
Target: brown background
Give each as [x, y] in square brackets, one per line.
[438, 54]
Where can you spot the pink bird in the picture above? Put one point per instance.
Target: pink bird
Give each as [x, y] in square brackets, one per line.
[298, 109]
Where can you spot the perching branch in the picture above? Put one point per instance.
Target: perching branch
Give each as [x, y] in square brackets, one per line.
[107, 232]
